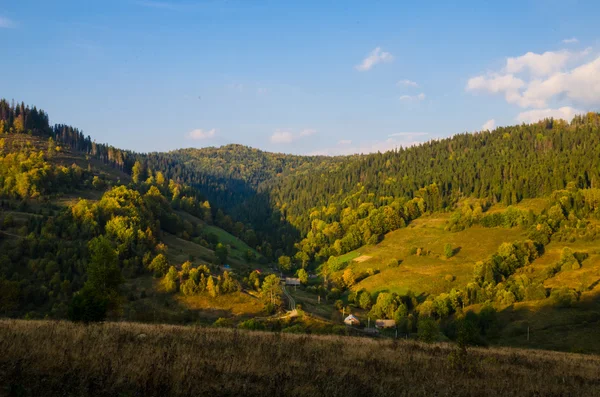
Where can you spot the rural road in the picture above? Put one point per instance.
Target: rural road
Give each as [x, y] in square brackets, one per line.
[291, 300]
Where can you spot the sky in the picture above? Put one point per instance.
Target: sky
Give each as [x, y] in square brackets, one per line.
[304, 77]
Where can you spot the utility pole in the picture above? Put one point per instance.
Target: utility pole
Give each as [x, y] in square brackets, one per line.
[369, 323]
[319, 299]
[528, 334]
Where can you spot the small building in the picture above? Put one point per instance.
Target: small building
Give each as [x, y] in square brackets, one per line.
[351, 320]
[385, 323]
[292, 281]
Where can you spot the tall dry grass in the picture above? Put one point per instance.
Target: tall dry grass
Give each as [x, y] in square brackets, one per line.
[40, 358]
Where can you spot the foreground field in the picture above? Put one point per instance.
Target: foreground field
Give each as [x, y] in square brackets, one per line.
[58, 358]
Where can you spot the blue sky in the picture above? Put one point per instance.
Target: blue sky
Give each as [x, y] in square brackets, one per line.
[329, 77]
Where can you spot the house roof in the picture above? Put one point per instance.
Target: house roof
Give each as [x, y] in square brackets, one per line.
[385, 323]
[351, 317]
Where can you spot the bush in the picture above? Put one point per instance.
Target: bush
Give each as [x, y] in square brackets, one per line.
[222, 322]
[294, 329]
[393, 262]
[252, 324]
[564, 297]
[449, 278]
[448, 250]
[428, 330]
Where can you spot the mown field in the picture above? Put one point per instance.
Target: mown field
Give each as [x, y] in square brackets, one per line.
[127, 359]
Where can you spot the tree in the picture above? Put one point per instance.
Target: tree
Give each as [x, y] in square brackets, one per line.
[137, 172]
[428, 330]
[103, 273]
[221, 253]
[349, 277]
[159, 265]
[211, 288]
[271, 290]
[285, 263]
[170, 280]
[364, 300]
[100, 291]
[249, 255]
[448, 250]
[303, 276]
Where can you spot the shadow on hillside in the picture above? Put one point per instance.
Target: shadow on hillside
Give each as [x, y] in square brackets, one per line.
[556, 327]
[249, 205]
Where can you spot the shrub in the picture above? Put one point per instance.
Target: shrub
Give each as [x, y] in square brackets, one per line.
[448, 250]
[428, 330]
[222, 322]
[564, 297]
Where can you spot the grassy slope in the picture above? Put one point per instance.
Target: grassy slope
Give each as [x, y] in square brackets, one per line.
[425, 274]
[238, 248]
[57, 358]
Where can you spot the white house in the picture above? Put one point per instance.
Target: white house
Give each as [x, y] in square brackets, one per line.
[351, 320]
[292, 281]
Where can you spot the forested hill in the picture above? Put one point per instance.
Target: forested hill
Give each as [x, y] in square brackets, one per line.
[281, 196]
[506, 165]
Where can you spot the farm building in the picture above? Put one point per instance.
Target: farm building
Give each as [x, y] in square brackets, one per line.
[385, 324]
[292, 281]
[351, 320]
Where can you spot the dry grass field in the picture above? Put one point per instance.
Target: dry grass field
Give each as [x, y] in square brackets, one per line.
[127, 359]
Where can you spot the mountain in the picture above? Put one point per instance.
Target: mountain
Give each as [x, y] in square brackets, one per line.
[483, 237]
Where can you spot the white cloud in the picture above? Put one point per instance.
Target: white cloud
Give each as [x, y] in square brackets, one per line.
[376, 56]
[199, 134]
[7, 23]
[563, 76]
[419, 97]
[308, 132]
[539, 64]
[495, 84]
[531, 116]
[572, 40]
[407, 83]
[489, 125]
[408, 134]
[282, 137]
[393, 141]
[580, 85]
[286, 136]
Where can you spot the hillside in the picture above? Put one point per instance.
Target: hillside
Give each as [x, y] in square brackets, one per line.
[485, 238]
[55, 358]
[55, 199]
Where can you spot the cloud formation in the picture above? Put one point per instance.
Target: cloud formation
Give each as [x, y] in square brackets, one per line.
[572, 40]
[199, 134]
[286, 137]
[419, 97]
[489, 125]
[407, 83]
[531, 116]
[534, 80]
[376, 56]
[393, 141]
[7, 23]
